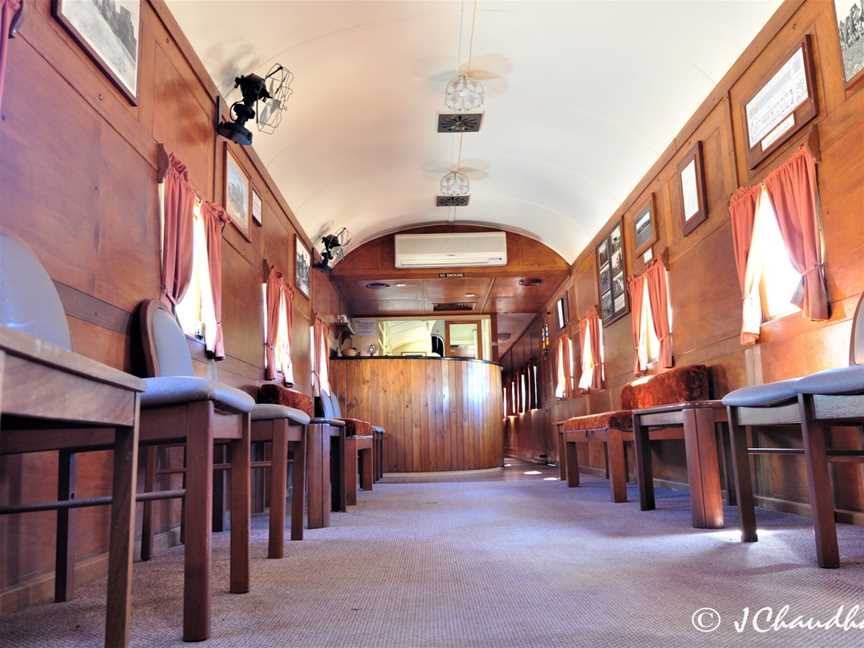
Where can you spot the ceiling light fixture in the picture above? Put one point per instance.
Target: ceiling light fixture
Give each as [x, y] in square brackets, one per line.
[464, 94]
[455, 184]
[469, 295]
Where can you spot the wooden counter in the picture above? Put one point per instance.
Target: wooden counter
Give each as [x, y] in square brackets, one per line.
[439, 413]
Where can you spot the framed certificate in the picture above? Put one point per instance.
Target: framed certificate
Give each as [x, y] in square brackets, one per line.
[691, 178]
[782, 106]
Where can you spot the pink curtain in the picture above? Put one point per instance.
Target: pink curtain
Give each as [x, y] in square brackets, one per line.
[794, 195]
[321, 333]
[8, 9]
[742, 213]
[636, 286]
[590, 325]
[177, 239]
[215, 219]
[658, 296]
[274, 292]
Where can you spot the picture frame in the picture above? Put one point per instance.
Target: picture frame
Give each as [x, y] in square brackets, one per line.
[612, 275]
[561, 312]
[849, 18]
[257, 208]
[645, 227]
[691, 183]
[110, 34]
[302, 266]
[783, 104]
[237, 190]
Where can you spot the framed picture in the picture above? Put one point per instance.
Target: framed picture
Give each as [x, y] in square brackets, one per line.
[645, 227]
[561, 312]
[236, 194]
[257, 208]
[302, 266]
[108, 30]
[611, 276]
[782, 106]
[692, 178]
[850, 29]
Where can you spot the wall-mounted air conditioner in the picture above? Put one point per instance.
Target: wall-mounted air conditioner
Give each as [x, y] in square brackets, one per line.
[451, 250]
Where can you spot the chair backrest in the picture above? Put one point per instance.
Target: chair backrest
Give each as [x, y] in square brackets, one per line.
[330, 405]
[856, 344]
[29, 302]
[165, 349]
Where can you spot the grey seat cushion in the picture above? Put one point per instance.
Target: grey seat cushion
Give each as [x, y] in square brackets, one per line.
[846, 380]
[172, 350]
[376, 428]
[173, 390]
[270, 411]
[772, 394]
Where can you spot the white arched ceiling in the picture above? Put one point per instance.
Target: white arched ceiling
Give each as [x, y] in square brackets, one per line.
[581, 99]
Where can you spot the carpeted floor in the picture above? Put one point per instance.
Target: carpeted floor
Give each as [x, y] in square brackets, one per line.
[504, 558]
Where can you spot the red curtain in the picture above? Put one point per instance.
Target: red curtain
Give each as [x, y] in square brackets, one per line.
[636, 286]
[215, 219]
[592, 320]
[8, 9]
[658, 296]
[177, 239]
[274, 291]
[794, 195]
[742, 213]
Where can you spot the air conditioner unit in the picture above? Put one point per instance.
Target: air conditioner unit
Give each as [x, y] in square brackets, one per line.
[451, 250]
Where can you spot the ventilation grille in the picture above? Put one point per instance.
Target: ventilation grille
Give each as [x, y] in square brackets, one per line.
[453, 306]
[459, 122]
[451, 201]
[530, 281]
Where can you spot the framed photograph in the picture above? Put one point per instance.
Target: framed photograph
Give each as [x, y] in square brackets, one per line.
[561, 312]
[782, 106]
[611, 276]
[236, 194]
[645, 227]
[257, 208]
[302, 266]
[850, 28]
[108, 30]
[693, 211]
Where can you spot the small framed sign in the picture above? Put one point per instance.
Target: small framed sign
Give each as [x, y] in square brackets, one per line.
[257, 208]
[645, 227]
[691, 176]
[611, 276]
[782, 106]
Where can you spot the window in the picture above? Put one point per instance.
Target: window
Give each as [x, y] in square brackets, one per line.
[196, 311]
[587, 373]
[506, 411]
[779, 278]
[535, 382]
[560, 370]
[561, 312]
[588, 363]
[523, 400]
[571, 364]
[649, 343]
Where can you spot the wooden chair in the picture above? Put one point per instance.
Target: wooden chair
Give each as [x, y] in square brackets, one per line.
[679, 385]
[378, 450]
[179, 407]
[54, 399]
[358, 447]
[815, 403]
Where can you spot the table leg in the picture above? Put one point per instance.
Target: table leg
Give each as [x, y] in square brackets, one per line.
[366, 469]
[338, 483]
[318, 471]
[703, 468]
[241, 507]
[278, 488]
[644, 469]
[199, 522]
[349, 465]
[150, 466]
[743, 483]
[562, 456]
[617, 465]
[125, 479]
[298, 483]
[64, 563]
[819, 485]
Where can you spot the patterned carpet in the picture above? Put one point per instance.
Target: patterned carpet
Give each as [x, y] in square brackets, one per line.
[505, 558]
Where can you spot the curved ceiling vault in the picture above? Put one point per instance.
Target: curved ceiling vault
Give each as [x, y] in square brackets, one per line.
[581, 99]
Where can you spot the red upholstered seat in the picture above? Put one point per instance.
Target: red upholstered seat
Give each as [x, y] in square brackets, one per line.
[281, 395]
[357, 427]
[680, 385]
[621, 419]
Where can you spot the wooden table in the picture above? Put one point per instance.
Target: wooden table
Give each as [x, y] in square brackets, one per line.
[54, 399]
[699, 420]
